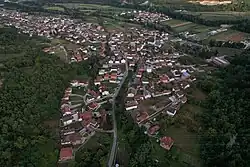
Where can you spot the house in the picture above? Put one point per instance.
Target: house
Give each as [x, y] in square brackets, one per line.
[141, 117]
[158, 94]
[94, 124]
[83, 83]
[65, 109]
[139, 97]
[179, 94]
[86, 118]
[93, 106]
[145, 81]
[74, 83]
[68, 90]
[106, 76]
[113, 76]
[184, 100]
[97, 81]
[72, 139]
[176, 88]
[153, 129]
[132, 64]
[66, 96]
[149, 69]
[164, 79]
[171, 111]
[68, 119]
[130, 105]
[166, 142]
[66, 154]
[101, 72]
[131, 92]
[147, 94]
[105, 93]
[185, 85]
[185, 74]
[192, 79]
[123, 61]
[139, 74]
[93, 94]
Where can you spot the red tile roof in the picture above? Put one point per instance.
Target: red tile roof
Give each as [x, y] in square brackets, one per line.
[113, 76]
[68, 90]
[153, 129]
[86, 115]
[92, 93]
[166, 142]
[65, 109]
[142, 117]
[66, 154]
[106, 76]
[164, 78]
[92, 105]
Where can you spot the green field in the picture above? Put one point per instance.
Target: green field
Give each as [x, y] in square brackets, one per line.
[175, 22]
[92, 6]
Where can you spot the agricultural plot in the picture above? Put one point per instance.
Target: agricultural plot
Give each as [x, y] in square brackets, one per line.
[175, 22]
[184, 27]
[92, 7]
[230, 35]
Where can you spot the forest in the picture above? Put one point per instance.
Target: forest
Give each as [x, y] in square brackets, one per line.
[33, 83]
[225, 133]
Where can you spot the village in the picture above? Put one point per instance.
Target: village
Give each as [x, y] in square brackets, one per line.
[157, 89]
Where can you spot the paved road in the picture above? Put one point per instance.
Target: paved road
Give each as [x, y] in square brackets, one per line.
[112, 154]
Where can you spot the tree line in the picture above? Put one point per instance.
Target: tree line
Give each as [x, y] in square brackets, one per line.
[225, 132]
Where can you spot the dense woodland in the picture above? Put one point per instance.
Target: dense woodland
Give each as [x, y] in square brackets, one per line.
[225, 139]
[31, 92]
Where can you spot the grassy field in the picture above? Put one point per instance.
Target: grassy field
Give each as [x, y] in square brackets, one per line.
[228, 51]
[184, 134]
[92, 6]
[175, 22]
[56, 8]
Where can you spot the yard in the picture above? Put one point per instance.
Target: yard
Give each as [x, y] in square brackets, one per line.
[80, 91]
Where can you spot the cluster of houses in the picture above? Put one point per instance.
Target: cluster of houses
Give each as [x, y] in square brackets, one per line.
[81, 116]
[159, 80]
[88, 37]
[145, 17]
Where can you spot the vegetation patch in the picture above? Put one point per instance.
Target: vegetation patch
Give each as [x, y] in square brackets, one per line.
[55, 8]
